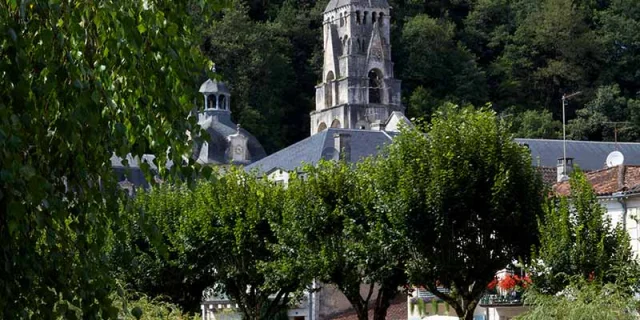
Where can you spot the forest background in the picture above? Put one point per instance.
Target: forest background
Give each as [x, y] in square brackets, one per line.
[519, 55]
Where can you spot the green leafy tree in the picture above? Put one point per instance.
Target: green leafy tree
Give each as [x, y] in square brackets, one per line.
[535, 124]
[465, 191]
[577, 239]
[609, 116]
[331, 224]
[436, 61]
[80, 81]
[216, 236]
[582, 300]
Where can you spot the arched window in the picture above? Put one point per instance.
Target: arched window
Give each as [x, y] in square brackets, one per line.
[373, 17]
[328, 96]
[335, 123]
[211, 101]
[322, 127]
[222, 102]
[364, 18]
[381, 17]
[358, 46]
[375, 86]
[358, 17]
[341, 20]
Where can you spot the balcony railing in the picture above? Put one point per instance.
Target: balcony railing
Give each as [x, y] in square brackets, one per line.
[509, 299]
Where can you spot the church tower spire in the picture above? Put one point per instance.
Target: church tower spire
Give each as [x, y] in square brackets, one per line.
[358, 87]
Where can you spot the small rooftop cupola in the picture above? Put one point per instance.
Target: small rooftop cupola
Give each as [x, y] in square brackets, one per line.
[226, 142]
[216, 95]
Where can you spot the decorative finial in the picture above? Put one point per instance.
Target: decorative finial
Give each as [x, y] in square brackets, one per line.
[238, 128]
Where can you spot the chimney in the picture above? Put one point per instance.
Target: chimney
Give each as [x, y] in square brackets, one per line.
[563, 176]
[342, 144]
[377, 126]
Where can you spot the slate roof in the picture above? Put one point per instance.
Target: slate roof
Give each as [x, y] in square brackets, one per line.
[589, 155]
[397, 311]
[219, 128]
[623, 178]
[335, 4]
[213, 86]
[321, 146]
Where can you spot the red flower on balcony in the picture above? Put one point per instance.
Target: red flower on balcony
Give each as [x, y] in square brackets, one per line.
[492, 285]
[508, 282]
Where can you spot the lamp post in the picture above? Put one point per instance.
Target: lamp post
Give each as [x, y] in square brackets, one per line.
[564, 131]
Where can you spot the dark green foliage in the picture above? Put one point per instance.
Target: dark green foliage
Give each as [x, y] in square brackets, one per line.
[534, 124]
[268, 67]
[577, 239]
[582, 300]
[512, 53]
[80, 81]
[467, 198]
[215, 235]
[335, 231]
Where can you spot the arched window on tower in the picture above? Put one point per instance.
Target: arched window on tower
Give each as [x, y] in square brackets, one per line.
[328, 89]
[322, 127]
[375, 86]
[341, 20]
[364, 18]
[358, 46]
[222, 102]
[373, 17]
[211, 101]
[358, 21]
[336, 124]
[381, 17]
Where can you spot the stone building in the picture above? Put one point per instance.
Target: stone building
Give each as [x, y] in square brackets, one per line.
[358, 88]
[227, 143]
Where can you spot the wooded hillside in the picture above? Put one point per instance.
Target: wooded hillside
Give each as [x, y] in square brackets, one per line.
[518, 55]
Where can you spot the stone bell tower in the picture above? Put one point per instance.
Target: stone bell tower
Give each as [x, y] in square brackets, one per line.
[358, 87]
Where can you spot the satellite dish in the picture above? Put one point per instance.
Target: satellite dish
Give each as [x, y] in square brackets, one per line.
[615, 158]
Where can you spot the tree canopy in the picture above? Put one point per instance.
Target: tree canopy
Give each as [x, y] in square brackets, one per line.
[464, 192]
[79, 82]
[578, 240]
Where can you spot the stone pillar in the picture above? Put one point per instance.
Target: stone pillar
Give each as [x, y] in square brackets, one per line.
[217, 107]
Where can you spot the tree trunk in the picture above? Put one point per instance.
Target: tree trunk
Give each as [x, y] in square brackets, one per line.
[383, 301]
[360, 305]
[466, 311]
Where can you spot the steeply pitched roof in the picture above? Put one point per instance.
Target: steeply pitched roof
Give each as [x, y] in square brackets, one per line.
[589, 155]
[321, 146]
[335, 4]
[623, 178]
